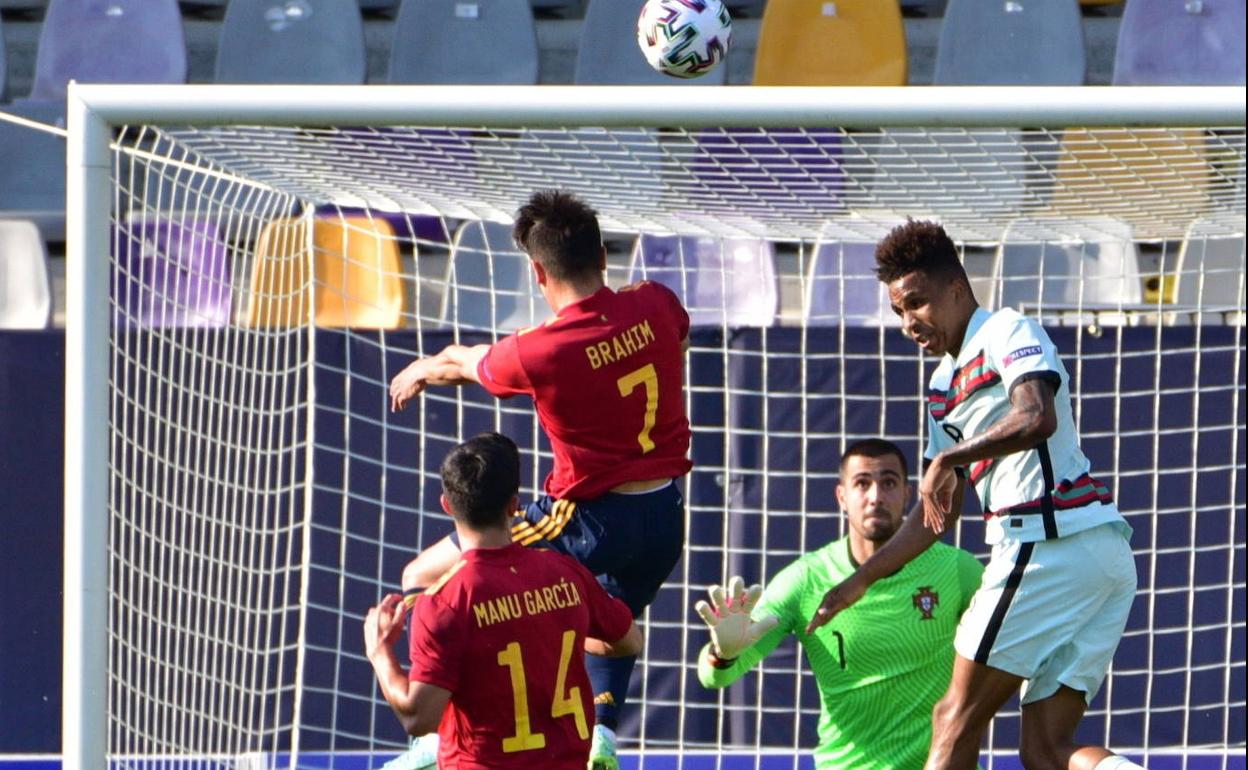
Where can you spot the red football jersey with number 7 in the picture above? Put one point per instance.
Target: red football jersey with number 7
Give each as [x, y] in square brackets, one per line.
[504, 631]
[606, 376]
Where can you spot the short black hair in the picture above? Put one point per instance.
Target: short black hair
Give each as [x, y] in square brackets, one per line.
[918, 246]
[560, 232]
[875, 447]
[479, 478]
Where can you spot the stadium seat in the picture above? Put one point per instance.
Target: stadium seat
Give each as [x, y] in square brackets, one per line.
[1021, 42]
[173, 273]
[119, 41]
[32, 168]
[1097, 271]
[355, 265]
[720, 281]
[302, 41]
[831, 42]
[1211, 267]
[608, 53]
[454, 42]
[490, 285]
[1127, 171]
[1180, 42]
[842, 288]
[25, 293]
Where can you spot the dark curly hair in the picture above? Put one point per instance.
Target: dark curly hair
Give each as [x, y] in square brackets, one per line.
[918, 246]
[561, 233]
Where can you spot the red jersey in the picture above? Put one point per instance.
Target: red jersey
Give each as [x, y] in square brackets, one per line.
[606, 376]
[505, 633]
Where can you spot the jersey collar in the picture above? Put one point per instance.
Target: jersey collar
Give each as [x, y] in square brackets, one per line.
[972, 328]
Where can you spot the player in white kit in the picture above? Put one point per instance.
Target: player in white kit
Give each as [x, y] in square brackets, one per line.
[1055, 597]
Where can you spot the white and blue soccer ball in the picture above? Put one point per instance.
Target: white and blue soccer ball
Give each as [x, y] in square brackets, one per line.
[684, 38]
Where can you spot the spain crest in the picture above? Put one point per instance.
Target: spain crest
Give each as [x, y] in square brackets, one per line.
[925, 601]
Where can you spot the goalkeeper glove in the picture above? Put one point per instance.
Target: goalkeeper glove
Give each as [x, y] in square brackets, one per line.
[728, 617]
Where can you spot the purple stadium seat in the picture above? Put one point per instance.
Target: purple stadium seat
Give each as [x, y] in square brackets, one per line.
[108, 41]
[1180, 42]
[173, 274]
[842, 289]
[720, 281]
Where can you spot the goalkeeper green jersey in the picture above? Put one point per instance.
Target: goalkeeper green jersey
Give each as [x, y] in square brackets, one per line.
[880, 665]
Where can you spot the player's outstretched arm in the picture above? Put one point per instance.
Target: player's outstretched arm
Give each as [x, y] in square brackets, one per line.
[418, 705]
[912, 539]
[455, 365]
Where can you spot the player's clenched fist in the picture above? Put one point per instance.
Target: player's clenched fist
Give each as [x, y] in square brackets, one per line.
[383, 624]
[728, 617]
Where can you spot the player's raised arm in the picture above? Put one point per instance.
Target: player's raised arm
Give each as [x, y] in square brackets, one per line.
[455, 365]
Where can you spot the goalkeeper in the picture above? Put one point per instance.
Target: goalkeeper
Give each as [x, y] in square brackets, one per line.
[880, 666]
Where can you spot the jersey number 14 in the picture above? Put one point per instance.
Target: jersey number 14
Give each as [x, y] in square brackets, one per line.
[563, 705]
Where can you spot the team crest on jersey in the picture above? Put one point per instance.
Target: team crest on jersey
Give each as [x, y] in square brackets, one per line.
[925, 601]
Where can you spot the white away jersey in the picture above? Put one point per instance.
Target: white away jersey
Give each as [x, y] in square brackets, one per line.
[1036, 494]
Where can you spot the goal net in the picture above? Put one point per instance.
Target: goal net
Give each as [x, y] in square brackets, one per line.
[267, 274]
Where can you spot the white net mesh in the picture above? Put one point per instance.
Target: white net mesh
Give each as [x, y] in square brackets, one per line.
[268, 282]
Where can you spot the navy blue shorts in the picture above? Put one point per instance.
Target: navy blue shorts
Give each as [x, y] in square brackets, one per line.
[631, 542]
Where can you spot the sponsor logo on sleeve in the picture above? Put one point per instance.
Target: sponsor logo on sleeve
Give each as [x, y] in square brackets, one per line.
[1025, 352]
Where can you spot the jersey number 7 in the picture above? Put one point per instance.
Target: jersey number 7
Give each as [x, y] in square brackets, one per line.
[563, 705]
[627, 384]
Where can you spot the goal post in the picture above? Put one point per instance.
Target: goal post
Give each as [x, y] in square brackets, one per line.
[175, 415]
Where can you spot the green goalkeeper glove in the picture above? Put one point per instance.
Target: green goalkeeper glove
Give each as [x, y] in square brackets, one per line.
[728, 617]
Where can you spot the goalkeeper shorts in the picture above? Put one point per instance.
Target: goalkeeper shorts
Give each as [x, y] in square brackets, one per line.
[1052, 611]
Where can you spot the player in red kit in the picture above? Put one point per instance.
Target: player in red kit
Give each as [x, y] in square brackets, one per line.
[495, 663]
[605, 374]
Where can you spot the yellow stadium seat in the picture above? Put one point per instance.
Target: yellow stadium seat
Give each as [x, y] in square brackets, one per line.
[1144, 177]
[830, 43]
[355, 268]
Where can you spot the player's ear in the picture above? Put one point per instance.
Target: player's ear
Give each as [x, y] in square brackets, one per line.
[446, 505]
[515, 505]
[602, 258]
[840, 497]
[539, 272]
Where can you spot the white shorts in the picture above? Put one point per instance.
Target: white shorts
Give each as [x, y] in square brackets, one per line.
[1052, 611]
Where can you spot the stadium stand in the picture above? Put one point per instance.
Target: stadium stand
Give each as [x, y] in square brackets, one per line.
[123, 41]
[608, 52]
[1101, 271]
[1197, 42]
[25, 291]
[842, 288]
[719, 281]
[847, 42]
[356, 262]
[32, 168]
[1210, 268]
[452, 41]
[174, 273]
[485, 262]
[1024, 42]
[303, 41]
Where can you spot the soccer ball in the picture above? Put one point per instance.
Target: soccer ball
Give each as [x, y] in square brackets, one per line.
[684, 38]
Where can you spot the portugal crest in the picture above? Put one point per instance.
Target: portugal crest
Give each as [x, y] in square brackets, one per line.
[925, 601]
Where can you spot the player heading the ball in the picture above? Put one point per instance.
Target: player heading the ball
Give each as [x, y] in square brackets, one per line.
[606, 375]
[1055, 596]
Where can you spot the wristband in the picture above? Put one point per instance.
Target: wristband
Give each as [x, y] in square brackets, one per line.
[718, 662]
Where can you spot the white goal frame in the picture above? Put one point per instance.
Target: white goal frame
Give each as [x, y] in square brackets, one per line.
[95, 110]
